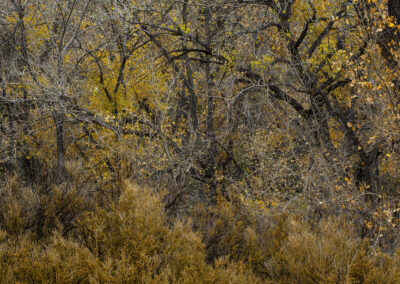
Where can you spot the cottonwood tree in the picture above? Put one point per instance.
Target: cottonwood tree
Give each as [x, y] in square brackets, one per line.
[308, 56]
[47, 83]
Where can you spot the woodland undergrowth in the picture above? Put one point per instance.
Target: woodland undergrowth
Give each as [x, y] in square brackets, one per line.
[122, 233]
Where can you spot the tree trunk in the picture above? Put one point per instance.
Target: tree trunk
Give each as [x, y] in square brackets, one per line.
[60, 169]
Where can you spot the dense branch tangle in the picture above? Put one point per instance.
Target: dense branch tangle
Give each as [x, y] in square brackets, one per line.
[199, 92]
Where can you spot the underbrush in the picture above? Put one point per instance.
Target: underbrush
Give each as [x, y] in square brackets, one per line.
[66, 235]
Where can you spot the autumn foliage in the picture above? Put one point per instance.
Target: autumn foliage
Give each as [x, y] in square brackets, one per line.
[188, 141]
[133, 240]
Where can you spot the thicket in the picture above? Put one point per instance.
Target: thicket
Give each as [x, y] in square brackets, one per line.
[67, 235]
[192, 141]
